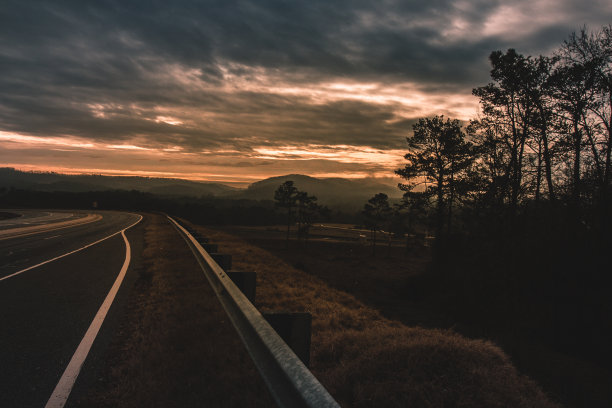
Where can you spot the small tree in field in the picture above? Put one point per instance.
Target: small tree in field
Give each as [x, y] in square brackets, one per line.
[286, 197]
[376, 213]
[307, 211]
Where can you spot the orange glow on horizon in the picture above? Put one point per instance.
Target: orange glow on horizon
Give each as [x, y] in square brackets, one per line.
[200, 177]
[337, 153]
[197, 177]
[229, 166]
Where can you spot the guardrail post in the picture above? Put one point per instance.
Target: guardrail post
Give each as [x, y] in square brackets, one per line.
[246, 282]
[294, 328]
[199, 237]
[223, 260]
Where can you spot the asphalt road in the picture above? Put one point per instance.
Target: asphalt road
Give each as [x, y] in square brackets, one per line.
[46, 310]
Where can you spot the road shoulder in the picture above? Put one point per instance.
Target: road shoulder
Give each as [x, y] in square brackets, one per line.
[173, 345]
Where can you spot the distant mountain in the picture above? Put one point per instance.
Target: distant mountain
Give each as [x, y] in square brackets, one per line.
[79, 183]
[348, 194]
[334, 192]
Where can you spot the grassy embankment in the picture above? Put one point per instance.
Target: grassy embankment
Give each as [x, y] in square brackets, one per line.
[365, 359]
[175, 346]
[403, 287]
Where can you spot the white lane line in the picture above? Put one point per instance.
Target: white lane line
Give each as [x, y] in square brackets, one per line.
[67, 253]
[55, 236]
[64, 386]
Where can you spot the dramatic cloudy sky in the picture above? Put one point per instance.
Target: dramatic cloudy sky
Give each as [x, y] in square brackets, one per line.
[236, 91]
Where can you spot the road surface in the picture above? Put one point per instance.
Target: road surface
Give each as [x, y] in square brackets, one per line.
[57, 269]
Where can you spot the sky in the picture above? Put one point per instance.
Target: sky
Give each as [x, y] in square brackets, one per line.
[237, 91]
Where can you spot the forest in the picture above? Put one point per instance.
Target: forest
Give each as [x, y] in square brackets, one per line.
[519, 198]
[541, 144]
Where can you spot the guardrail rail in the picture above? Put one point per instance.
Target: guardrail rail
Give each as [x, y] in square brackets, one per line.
[289, 381]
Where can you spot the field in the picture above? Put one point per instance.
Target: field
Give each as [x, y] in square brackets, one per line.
[341, 256]
[363, 357]
[398, 283]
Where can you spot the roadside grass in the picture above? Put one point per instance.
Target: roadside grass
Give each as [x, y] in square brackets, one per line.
[403, 287]
[367, 360]
[175, 346]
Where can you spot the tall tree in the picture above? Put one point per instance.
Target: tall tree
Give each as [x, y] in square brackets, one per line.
[572, 88]
[519, 106]
[491, 169]
[591, 53]
[499, 101]
[286, 197]
[536, 88]
[438, 158]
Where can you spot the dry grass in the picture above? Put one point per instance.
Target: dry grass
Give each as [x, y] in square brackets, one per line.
[402, 287]
[365, 359]
[176, 347]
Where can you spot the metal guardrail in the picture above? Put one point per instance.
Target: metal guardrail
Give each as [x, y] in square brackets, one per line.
[289, 381]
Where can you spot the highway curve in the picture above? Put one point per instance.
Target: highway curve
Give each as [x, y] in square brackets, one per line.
[56, 270]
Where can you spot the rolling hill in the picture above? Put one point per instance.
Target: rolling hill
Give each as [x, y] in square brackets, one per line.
[80, 183]
[348, 194]
[334, 192]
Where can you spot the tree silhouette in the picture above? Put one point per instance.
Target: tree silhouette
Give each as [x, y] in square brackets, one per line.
[376, 213]
[585, 92]
[438, 159]
[286, 197]
[307, 211]
[518, 104]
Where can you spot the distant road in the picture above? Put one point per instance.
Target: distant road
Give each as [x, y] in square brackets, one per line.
[35, 217]
[57, 269]
[32, 223]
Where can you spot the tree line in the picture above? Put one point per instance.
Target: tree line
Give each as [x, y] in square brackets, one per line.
[519, 198]
[543, 140]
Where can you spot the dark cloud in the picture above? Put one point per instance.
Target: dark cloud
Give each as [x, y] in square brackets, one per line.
[92, 41]
[200, 74]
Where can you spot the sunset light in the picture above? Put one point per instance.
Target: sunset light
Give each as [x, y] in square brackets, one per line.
[306, 203]
[339, 97]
